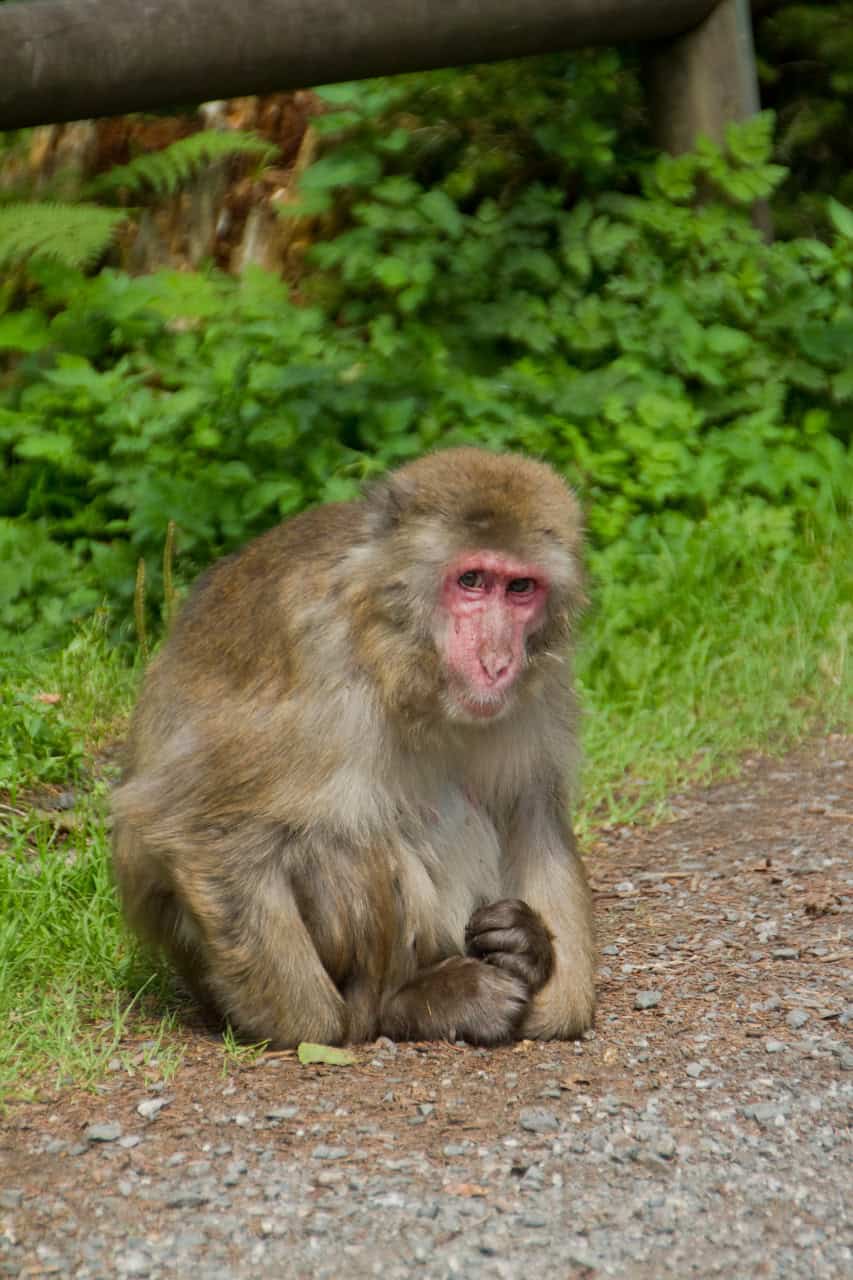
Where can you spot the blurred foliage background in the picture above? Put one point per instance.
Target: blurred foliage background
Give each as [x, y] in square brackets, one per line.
[216, 318]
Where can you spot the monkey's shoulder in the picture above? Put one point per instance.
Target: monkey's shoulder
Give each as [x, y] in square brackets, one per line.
[300, 552]
[240, 619]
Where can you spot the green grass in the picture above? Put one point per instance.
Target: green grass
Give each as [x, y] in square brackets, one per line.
[696, 657]
[70, 978]
[739, 656]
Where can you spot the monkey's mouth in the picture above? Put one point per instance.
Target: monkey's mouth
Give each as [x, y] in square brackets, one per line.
[470, 707]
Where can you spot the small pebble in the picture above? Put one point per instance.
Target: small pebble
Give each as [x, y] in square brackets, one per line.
[151, 1107]
[766, 1113]
[538, 1120]
[186, 1199]
[665, 1146]
[535, 1220]
[324, 1152]
[109, 1132]
[797, 1018]
[135, 1262]
[774, 1046]
[647, 999]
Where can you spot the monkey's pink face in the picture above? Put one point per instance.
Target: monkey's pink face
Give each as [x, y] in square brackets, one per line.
[490, 604]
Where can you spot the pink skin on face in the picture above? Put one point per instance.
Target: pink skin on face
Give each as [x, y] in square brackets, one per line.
[492, 603]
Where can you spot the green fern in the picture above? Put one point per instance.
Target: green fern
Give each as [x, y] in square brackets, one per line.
[74, 234]
[165, 171]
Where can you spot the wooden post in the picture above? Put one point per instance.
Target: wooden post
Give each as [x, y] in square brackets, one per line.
[73, 59]
[704, 79]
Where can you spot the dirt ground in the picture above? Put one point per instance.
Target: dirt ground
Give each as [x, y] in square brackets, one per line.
[702, 1129]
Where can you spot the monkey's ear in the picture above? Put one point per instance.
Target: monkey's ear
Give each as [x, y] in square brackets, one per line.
[388, 499]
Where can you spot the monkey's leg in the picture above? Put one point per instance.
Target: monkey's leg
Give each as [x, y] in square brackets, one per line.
[459, 998]
[259, 959]
[544, 869]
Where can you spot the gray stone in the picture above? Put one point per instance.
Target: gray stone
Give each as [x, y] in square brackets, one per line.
[647, 999]
[665, 1146]
[109, 1131]
[536, 1220]
[133, 1263]
[151, 1107]
[187, 1198]
[534, 1178]
[538, 1120]
[765, 1113]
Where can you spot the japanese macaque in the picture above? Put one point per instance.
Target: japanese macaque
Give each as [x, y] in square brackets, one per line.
[344, 812]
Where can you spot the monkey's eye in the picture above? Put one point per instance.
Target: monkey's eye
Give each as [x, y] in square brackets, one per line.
[522, 586]
[472, 579]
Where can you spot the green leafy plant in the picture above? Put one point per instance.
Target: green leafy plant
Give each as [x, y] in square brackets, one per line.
[660, 354]
[74, 234]
[36, 740]
[166, 170]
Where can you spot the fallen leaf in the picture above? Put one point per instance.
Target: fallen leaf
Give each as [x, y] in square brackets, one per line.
[309, 1053]
[50, 698]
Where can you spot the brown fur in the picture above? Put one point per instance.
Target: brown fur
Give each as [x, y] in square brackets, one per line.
[303, 828]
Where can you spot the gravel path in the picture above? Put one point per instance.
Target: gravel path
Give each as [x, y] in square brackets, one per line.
[703, 1129]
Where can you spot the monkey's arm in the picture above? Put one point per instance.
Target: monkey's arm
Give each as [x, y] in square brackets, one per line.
[260, 961]
[543, 868]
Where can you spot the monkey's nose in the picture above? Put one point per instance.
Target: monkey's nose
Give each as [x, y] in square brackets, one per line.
[495, 665]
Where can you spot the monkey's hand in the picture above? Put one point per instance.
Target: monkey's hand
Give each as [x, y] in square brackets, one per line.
[512, 936]
[458, 998]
